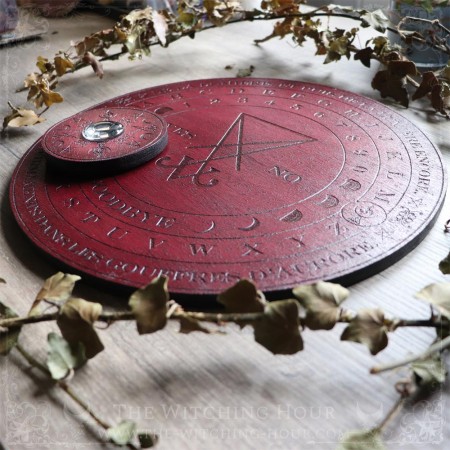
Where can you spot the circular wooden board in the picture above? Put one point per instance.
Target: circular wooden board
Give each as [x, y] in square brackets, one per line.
[280, 182]
[141, 136]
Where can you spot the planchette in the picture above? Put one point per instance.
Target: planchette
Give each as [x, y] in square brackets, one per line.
[277, 181]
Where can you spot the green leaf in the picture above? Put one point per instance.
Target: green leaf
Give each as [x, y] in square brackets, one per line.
[321, 301]
[430, 371]
[147, 440]
[58, 288]
[376, 19]
[75, 320]
[438, 294]
[368, 327]
[362, 440]
[149, 305]
[123, 433]
[9, 337]
[62, 359]
[278, 329]
[243, 297]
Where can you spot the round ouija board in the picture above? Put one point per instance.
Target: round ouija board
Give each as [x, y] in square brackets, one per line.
[280, 182]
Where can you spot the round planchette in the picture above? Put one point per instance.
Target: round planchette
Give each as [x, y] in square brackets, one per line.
[279, 182]
[105, 140]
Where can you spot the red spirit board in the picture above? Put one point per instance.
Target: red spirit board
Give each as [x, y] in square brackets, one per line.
[279, 182]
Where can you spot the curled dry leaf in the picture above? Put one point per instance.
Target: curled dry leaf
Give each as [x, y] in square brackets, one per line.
[430, 371]
[243, 297]
[10, 336]
[368, 327]
[75, 320]
[63, 64]
[429, 80]
[21, 117]
[58, 288]
[147, 440]
[96, 65]
[321, 301]
[278, 329]
[438, 294]
[444, 265]
[62, 358]
[149, 305]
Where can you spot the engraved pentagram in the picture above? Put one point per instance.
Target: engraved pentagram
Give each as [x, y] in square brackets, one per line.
[276, 181]
[236, 143]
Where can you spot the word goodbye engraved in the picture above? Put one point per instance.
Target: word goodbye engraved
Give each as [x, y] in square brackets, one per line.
[232, 144]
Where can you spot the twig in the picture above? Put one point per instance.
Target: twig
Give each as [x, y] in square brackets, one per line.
[437, 347]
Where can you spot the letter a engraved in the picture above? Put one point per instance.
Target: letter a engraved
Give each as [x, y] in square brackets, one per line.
[245, 136]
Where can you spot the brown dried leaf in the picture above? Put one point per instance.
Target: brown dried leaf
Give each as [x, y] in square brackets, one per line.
[149, 305]
[364, 55]
[368, 328]
[437, 99]
[96, 65]
[429, 80]
[21, 118]
[62, 65]
[243, 297]
[188, 325]
[321, 301]
[391, 86]
[58, 288]
[402, 68]
[75, 320]
[278, 329]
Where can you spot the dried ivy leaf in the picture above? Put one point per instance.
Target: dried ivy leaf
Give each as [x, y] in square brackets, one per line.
[438, 294]
[429, 80]
[368, 327]
[362, 440]
[364, 55]
[75, 320]
[149, 305]
[321, 301]
[96, 65]
[444, 265]
[160, 26]
[63, 64]
[21, 117]
[375, 19]
[2, 280]
[58, 288]
[278, 329]
[62, 358]
[123, 433]
[188, 325]
[9, 337]
[147, 440]
[437, 98]
[430, 371]
[391, 86]
[243, 297]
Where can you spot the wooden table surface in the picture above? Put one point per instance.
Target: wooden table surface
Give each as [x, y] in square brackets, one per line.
[210, 391]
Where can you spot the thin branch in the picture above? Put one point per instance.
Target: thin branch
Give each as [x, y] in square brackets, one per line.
[393, 412]
[437, 347]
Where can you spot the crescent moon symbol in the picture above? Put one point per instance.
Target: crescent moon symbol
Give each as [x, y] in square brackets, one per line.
[210, 228]
[252, 226]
